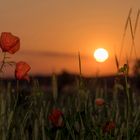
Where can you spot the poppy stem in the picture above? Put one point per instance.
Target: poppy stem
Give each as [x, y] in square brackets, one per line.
[3, 62]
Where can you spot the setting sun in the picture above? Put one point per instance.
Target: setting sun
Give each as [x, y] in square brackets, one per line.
[100, 55]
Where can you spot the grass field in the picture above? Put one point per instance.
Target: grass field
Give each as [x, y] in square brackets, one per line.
[99, 113]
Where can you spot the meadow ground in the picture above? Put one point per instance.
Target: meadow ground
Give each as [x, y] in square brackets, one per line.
[85, 110]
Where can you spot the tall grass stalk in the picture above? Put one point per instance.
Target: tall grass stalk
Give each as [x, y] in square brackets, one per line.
[54, 85]
[124, 34]
[133, 34]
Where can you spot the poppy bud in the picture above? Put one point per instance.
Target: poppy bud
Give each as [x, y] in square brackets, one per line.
[99, 101]
[55, 118]
[110, 125]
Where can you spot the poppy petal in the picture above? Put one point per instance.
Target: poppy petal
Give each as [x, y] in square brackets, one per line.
[9, 43]
[21, 71]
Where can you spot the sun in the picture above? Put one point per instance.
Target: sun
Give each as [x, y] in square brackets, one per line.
[101, 55]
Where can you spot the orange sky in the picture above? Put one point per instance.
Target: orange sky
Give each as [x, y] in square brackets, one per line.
[53, 31]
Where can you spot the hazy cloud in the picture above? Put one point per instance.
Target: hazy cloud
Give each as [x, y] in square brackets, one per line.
[52, 54]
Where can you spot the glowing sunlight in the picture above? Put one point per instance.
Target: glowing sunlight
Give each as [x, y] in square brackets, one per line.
[100, 55]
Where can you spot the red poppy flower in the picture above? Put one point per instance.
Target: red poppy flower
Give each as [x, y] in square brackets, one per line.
[99, 101]
[110, 125]
[56, 117]
[9, 43]
[21, 71]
